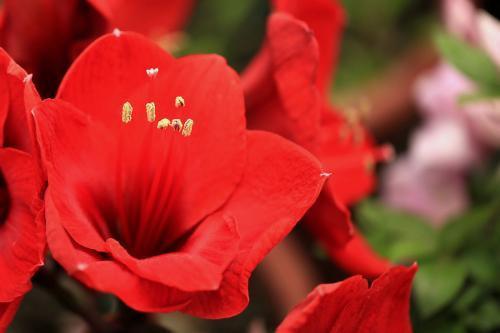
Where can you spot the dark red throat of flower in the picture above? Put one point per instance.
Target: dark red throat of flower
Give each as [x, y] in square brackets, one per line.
[148, 185]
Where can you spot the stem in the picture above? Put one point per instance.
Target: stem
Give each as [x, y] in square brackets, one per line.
[51, 282]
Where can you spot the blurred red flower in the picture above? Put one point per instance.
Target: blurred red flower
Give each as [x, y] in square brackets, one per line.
[165, 218]
[286, 88]
[44, 36]
[351, 306]
[22, 232]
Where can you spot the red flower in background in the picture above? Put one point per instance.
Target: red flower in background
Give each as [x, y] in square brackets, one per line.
[167, 214]
[351, 306]
[286, 92]
[22, 231]
[44, 36]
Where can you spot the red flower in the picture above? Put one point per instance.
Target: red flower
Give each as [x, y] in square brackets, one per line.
[285, 92]
[165, 218]
[154, 18]
[44, 36]
[7, 312]
[351, 306]
[22, 232]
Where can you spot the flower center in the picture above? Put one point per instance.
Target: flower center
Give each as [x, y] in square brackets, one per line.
[150, 162]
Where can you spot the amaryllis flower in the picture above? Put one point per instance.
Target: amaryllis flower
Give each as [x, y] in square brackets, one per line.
[352, 306]
[286, 92]
[44, 36]
[157, 192]
[22, 232]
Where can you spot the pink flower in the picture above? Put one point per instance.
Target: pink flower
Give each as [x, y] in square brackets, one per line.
[434, 194]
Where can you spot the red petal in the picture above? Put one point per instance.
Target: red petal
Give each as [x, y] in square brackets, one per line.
[357, 257]
[113, 70]
[22, 234]
[208, 251]
[107, 275]
[351, 306]
[279, 84]
[47, 52]
[153, 18]
[350, 154]
[17, 97]
[281, 182]
[79, 162]
[7, 312]
[326, 20]
[290, 56]
[329, 221]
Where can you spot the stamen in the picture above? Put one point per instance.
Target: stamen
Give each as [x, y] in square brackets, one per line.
[151, 111]
[188, 127]
[127, 112]
[176, 124]
[152, 72]
[117, 32]
[163, 123]
[180, 102]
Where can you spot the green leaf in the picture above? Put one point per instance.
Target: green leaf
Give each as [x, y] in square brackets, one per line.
[394, 234]
[470, 60]
[467, 299]
[486, 318]
[459, 231]
[482, 267]
[437, 283]
[485, 182]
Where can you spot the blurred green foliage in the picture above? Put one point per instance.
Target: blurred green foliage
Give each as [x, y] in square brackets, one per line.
[234, 29]
[377, 32]
[457, 287]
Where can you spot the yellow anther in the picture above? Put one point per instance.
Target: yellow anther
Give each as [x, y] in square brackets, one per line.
[188, 127]
[176, 124]
[163, 123]
[151, 111]
[127, 112]
[180, 102]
